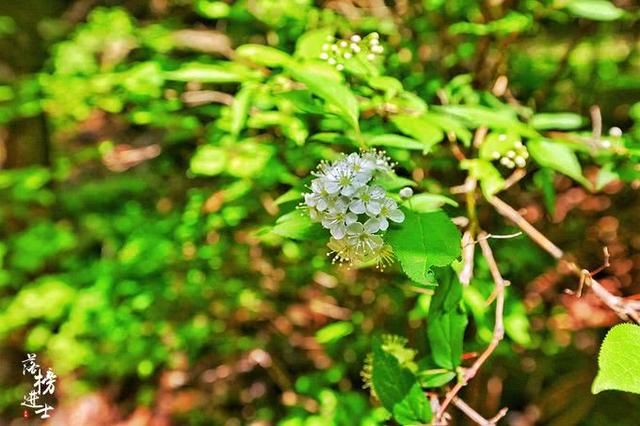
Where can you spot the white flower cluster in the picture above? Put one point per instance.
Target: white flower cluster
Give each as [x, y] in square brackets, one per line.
[335, 52]
[345, 201]
[514, 157]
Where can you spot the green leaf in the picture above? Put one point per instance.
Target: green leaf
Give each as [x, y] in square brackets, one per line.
[224, 72]
[309, 45]
[596, 10]
[414, 409]
[424, 240]
[395, 141]
[297, 226]
[423, 203]
[476, 116]
[240, 108]
[447, 320]
[449, 124]
[263, 55]
[208, 161]
[606, 175]
[212, 9]
[334, 332]
[491, 181]
[562, 121]
[397, 388]
[558, 157]
[435, 378]
[619, 363]
[498, 142]
[419, 129]
[332, 92]
[544, 181]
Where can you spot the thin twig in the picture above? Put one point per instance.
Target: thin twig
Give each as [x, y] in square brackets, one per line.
[498, 329]
[475, 416]
[468, 251]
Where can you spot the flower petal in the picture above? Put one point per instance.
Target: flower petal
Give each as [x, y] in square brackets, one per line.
[357, 207]
[338, 231]
[374, 207]
[396, 215]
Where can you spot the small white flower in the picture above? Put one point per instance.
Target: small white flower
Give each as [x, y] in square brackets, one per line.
[363, 240]
[336, 222]
[368, 200]
[616, 132]
[495, 155]
[324, 56]
[356, 38]
[343, 43]
[371, 56]
[347, 55]
[520, 161]
[355, 48]
[511, 154]
[332, 61]
[339, 67]
[342, 179]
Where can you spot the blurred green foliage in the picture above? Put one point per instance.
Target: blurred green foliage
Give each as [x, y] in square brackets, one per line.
[148, 158]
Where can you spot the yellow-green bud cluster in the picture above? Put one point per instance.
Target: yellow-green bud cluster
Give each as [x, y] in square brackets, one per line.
[515, 157]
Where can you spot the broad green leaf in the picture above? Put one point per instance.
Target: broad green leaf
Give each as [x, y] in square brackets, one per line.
[334, 331]
[422, 241]
[264, 55]
[619, 360]
[240, 108]
[597, 10]
[414, 408]
[419, 129]
[298, 226]
[397, 388]
[423, 203]
[447, 320]
[208, 160]
[560, 120]
[557, 156]
[395, 141]
[332, 92]
[491, 181]
[224, 72]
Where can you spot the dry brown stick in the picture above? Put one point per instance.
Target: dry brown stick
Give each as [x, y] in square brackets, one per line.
[510, 213]
[624, 309]
[498, 329]
[475, 416]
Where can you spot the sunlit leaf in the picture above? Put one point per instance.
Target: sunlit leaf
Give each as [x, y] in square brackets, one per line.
[619, 364]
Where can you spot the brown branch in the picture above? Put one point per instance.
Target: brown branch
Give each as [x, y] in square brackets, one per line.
[498, 329]
[624, 309]
[510, 213]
